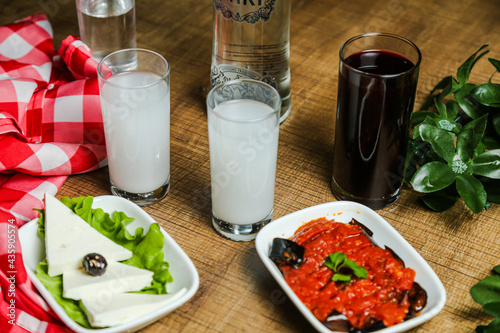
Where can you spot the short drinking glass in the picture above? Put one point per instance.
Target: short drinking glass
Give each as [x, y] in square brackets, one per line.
[377, 84]
[243, 129]
[136, 114]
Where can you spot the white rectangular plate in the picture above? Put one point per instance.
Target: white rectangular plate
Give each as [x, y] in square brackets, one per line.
[383, 234]
[182, 268]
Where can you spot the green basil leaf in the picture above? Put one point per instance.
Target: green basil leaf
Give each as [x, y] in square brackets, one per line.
[470, 136]
[432, 177]
[495, 63]
[486, 290]
[440, 201]
[465, 69]
[358, 271]
[442, 141]
[472, 192]
[338, 261]
[335, 260]
[469, 105]
[487, 94]
[487, 164]
[341, 278]
[492, 308]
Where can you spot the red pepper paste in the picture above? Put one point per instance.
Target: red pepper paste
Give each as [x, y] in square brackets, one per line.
[383, 296]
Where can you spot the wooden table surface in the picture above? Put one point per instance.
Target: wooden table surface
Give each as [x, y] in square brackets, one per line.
[236, 292]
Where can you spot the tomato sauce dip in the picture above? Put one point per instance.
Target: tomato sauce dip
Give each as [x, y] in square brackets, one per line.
[384, 297]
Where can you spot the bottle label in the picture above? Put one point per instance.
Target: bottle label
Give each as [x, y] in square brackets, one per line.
[250, 11]
[224, 73]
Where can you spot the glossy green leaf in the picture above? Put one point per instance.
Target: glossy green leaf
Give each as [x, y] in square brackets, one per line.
[440, 201]
[495, 63]
[492, 327]
[491, 142]
[419, 116]
[496, 269]
[445, 84]
[465, 69]
[487, 94]
[452, 109]
[481, 148]
[419, 153]
[432, 177]
[442, 141]
[472, 192]
[495, 119]
[469, 105]
[492, 308]
[432, 121]
[486, 290]
[487, 164]
[441, 107]
[492, 188]
[470, 136]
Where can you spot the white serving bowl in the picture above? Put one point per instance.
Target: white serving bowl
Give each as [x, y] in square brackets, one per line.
[383, 235]
[182, 268]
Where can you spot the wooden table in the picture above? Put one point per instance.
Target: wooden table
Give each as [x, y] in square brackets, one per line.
[236, 292]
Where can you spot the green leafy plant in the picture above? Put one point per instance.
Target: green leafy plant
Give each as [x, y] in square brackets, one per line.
[454, 148]
[343, 268]
[487, 293]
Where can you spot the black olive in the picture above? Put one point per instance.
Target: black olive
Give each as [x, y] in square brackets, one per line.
[286, 252]
[94, 264]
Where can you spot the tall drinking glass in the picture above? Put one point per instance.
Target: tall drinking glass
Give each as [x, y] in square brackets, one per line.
[106, 25]
[378, 77]
[243, 130]
[136, 114]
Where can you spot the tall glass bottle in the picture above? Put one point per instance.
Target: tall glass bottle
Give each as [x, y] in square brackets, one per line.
[251, 40]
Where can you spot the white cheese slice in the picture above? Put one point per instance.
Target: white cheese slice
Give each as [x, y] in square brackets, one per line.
[68, 238]
[118, 278]
[115, 309]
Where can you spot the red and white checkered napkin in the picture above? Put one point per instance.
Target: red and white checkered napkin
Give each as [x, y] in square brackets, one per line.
[50, 127]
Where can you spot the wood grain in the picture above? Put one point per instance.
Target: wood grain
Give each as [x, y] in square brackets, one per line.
[236, 292]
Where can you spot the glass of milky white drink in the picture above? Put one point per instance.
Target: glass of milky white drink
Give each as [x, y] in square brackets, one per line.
[106, 25]
[135, 103]
[243, 130]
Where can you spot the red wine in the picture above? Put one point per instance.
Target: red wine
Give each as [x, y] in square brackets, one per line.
[375, 102]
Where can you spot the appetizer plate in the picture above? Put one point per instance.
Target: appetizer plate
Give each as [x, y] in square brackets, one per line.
[181, 267]
[383, 234]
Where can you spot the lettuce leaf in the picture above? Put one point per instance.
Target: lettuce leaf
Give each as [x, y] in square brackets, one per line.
[54, 285]
[147, 251]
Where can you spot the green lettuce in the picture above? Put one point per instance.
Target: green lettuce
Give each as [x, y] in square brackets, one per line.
[147, 252]
[54, 285]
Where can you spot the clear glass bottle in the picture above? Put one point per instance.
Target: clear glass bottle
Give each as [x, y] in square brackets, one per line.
[251, 40]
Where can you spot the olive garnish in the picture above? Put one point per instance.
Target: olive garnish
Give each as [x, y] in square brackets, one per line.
[286, 252]
[94, 264]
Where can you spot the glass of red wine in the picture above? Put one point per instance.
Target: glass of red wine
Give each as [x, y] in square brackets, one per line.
[378, 77]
